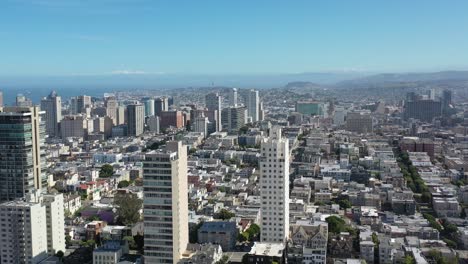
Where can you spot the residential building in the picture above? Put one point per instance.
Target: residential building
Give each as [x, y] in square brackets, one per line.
[265, 253]
[233, 118]
[153, 123]
[171, 119]
[213, 102]
[424, 110]
[73, 126]
[200, 124]
[111, 105]
[308, 242]
[55, 216]
[359, 122]
[110, 252]
[161, 104]
[274, 187]
[35, 230]
[165, 203]
[222, 233]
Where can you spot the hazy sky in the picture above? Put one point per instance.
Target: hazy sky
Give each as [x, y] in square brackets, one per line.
[60, 37]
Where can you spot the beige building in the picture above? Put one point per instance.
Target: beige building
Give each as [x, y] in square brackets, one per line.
[166, 204]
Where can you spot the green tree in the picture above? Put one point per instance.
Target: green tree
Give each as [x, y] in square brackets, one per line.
[253, 231]
[106, 171]
[335, 224]
[193, 233]
[123, 184]
[131, 242]
[67, 241]
[128, 208]
[224, 214]
[94, 218]
[344, 203]
[243, 236]
[224, 260]
[409, 260]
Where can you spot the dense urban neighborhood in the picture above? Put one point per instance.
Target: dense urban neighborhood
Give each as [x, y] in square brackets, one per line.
[299, 174]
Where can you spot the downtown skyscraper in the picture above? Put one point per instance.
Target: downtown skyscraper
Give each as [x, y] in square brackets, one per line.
[213, 102]
[135, 119]
[274, 187]
[21, 141]
[52, 106]
[253, 105]
[165, 203]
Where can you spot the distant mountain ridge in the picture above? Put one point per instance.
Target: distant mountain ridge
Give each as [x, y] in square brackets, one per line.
[407, 77]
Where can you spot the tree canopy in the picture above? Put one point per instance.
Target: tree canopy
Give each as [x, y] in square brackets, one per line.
[106, 171]
[128, 208]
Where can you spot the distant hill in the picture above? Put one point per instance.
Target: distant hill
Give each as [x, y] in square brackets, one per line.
[406, 77]
[301, 85]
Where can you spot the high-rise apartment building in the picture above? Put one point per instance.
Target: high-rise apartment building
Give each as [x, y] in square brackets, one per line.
[111, 105]
[446, 101]
[121, 115]
[55, 217]
[213, 102]
[149, 107]
[359, 122]
[274, 187]
[233, 118]
[83, 102]
[165, 203]
[161, 104]
[253, 105]
[171, 119]
[25, 241]
[73, 126]
[34, 228]
[21, 142]
[153, 123]
[423, 110]
[200, 124]
[1, 98]
[52, 106]
[310, 108]
[135, 119]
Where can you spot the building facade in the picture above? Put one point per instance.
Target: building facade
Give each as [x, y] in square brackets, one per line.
[52, 105]
[135, 120]
[165, 204]
[21, 142]
[274, 187]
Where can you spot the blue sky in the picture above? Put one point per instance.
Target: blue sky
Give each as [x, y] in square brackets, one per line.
[94, 37]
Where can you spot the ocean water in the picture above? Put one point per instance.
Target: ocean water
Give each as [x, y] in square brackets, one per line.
[36, 94]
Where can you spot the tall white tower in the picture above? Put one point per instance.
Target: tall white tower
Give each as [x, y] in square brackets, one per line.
[165, 203]
[274, 187]
[233, 97]
[253, 105]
